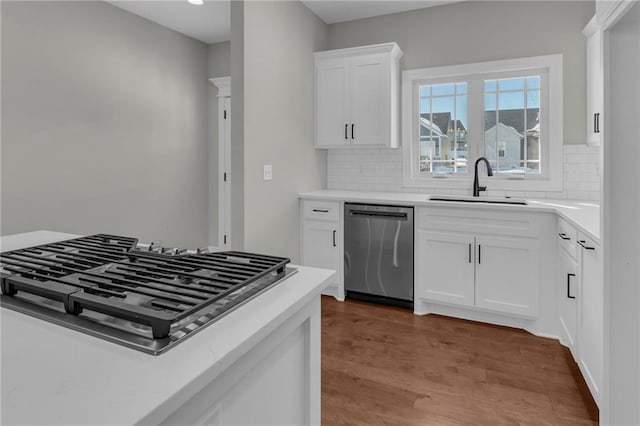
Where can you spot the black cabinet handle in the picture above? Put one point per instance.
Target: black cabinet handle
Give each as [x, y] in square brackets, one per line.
[352, 134]
[334, 238]
[569, 286]
[564, 236]
[584, 245]
[469, 252]
[321, 210]
[479, 254]
[596, 122]
[346, 127]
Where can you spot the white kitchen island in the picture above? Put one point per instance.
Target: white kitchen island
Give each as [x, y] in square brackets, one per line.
[260, 364]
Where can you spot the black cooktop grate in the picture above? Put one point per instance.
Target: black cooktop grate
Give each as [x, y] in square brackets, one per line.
[109, 275]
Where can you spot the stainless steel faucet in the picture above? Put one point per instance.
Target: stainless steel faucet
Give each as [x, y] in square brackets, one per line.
[476, 185]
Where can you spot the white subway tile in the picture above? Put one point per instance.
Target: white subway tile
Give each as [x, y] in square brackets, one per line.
[588, 186]
[381, 170]
[577, 195]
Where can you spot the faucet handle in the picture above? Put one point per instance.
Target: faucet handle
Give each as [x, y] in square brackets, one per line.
[482, 188]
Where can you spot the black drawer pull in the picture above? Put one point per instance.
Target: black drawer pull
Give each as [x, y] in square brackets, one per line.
[564, 236]
[584, 245]
[569, 286]
[321, 210]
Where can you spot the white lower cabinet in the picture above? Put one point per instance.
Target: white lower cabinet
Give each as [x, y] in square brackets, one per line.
[591, 317]
[567, 299]
[275, 382]
[494, 265]
[446, 267]
[507, 275]
[322, 241]
[580, 303]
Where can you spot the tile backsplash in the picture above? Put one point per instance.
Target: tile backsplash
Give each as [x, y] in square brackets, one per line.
[381, 170]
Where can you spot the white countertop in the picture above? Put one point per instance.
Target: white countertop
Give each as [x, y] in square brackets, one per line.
[585, 215]
[53, 375]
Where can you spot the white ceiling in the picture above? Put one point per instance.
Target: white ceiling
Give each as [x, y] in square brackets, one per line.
[211, 22]
[332, 11]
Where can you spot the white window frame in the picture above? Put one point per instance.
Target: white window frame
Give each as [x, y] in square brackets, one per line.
[549, 67]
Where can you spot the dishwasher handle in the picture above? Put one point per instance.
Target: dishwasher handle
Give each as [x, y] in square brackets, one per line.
[371, 213]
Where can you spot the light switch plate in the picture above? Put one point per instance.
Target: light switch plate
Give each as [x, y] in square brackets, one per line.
[267, 172]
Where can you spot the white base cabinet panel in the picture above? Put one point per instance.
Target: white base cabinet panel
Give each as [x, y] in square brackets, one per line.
[567, 300]
[507, 275]
[590, 331]
[276, 383]
[581, 303]
[321, 241]
[480, 259]
[445, 267]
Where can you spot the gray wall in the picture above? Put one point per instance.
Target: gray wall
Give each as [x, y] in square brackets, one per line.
[219, 66]
[476, 31]
[237, 125]
[220, 59]
[279, 41]
[104, 124]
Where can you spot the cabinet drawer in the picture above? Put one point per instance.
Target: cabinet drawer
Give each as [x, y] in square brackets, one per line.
[568, 237]
[321, 210]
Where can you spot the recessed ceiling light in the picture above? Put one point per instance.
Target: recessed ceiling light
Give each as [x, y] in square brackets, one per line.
[196, 2]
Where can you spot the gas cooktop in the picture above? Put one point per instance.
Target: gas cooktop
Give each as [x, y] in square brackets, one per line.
[145, 297]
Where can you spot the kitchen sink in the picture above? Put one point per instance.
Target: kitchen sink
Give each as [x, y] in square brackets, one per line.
[480, 200]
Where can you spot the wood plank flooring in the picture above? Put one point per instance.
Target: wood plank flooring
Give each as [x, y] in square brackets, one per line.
[383, 365]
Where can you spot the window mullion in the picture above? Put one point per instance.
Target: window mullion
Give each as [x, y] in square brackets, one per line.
[475, 113]
[526, 127]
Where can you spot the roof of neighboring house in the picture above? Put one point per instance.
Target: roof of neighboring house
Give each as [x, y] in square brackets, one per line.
[431, 126]
[443, 121]
[512, 118]
[501, 128]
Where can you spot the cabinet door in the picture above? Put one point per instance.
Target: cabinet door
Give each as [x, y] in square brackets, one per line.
[445, 267]
[595, 88]
[320, 249]
[507, 275]
[370, 100]
[567, 282]
[590, 337]
[333, 126]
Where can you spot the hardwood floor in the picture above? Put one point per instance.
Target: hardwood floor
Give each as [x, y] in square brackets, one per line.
[383, 365]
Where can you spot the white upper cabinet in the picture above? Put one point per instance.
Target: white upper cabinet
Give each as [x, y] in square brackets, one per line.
[332, 106]
[595, 82]
[357, 97]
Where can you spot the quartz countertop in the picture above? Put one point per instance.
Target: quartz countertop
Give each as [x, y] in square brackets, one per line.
[585, 215]
[53, 375]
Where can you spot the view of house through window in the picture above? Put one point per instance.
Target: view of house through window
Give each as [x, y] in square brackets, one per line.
[443, 128]
[512, 124]
[508, 111]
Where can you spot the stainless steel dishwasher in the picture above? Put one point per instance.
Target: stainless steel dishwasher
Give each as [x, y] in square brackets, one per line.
[378, 253]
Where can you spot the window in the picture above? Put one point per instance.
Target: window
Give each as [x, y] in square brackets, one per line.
[507, 111]
[443, 111]
[512, 124]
